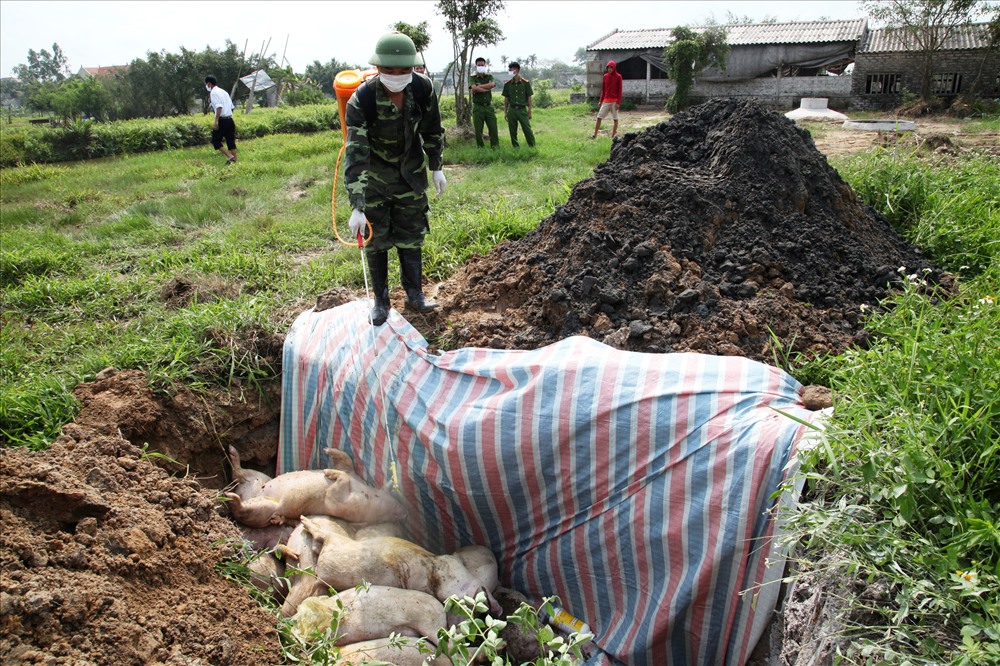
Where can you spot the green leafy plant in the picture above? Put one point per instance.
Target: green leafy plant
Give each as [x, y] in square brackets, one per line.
[476, 638]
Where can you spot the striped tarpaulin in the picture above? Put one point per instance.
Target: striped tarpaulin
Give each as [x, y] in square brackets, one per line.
[636, 487]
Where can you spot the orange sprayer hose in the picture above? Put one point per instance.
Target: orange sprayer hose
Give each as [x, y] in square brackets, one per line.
[359, 242]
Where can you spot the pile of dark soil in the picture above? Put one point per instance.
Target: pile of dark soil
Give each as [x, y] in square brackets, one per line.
[711, 233]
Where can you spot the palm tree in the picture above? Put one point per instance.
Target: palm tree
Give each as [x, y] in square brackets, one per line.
[503, 60]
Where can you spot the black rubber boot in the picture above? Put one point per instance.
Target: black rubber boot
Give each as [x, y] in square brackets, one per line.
[378, 264]
[411, 275]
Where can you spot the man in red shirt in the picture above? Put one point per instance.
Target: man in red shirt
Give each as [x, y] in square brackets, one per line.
[611, 98]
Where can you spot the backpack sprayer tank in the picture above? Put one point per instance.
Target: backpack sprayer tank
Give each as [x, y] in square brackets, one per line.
[344, 85]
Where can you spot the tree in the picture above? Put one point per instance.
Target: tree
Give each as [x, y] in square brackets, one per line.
[691, 52]
[470, 25]
[924, 26]
[43, 67]
[580, 57]
[418, 33]
[733, 19]
[323, 74]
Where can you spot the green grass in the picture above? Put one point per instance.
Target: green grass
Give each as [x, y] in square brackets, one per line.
[905, 494]
[88, 249]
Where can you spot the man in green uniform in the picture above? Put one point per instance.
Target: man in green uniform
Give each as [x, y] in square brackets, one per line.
[394, 135]
[517, 105]
[481, 84]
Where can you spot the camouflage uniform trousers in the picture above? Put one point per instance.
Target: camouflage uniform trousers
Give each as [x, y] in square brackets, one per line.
[484, 113]
[399, 218]
[517, 115]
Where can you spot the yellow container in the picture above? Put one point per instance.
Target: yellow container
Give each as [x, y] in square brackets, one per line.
[344, 85]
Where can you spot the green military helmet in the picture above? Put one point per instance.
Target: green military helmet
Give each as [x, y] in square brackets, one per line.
[395, 50]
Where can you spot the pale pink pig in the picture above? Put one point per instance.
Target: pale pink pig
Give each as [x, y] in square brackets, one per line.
[372, 612]
[334, 492]
[248, 482]
[379, 650]
[344, 563]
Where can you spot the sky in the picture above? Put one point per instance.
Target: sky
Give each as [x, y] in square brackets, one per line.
[99, 33]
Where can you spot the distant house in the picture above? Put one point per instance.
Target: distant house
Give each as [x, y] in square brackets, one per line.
[775, 63]
[778, 64]
[889, 65]
[101, 71]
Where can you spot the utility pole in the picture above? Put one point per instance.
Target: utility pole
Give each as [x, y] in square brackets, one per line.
[253, 87]
[232, 93]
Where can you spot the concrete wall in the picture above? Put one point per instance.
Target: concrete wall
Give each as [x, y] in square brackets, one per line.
[908, 66]
[783, 93]
[844, 92]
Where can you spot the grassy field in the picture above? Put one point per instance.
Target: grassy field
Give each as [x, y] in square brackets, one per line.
[906, 493]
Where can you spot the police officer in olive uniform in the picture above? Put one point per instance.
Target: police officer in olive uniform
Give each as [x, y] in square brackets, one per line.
[394, 135]
[481, 84]
[517, 105]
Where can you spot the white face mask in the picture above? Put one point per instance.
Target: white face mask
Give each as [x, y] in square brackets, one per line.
[208, 87]
[480, 70]
[395, 82]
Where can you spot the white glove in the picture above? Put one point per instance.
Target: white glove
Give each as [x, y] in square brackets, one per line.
[439, 181]
[357, 222]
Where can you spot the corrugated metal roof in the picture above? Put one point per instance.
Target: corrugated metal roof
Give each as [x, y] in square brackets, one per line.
[741, 34]
[974, 36]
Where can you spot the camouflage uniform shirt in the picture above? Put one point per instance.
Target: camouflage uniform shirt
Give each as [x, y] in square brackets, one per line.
[390, 157]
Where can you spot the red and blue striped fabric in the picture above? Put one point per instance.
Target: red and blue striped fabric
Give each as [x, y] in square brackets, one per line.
[636, 487]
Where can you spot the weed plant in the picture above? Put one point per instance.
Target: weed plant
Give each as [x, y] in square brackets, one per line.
[906, 494]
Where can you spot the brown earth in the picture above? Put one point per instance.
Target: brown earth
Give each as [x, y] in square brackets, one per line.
[718, 232]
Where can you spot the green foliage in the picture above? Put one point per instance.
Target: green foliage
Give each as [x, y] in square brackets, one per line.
[82, 140]
[471, 24]
[43, 66]
[542, 96]
[689, 53]
[952, 212]
[476, 638]
[908, 489]
[323, 74]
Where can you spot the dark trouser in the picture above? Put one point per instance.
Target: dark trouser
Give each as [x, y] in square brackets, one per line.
[397, 222]
[484, 113]
[515, 115]
[401, 222]
[227, 131]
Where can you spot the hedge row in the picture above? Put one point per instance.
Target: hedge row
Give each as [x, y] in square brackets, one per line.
[86, 139]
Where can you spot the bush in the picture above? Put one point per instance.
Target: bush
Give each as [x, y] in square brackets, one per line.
[88, 139]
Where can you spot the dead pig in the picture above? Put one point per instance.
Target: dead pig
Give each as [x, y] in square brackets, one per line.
[335, 492]
[380, 651]
[344, 563]
[372, 613]
[248, 482]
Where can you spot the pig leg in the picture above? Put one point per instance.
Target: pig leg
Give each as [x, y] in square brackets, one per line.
[248, 482]
[267, 572]
[305, 581]
[256, 512]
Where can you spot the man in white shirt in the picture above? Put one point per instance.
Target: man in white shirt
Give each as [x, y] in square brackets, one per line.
[223, 126]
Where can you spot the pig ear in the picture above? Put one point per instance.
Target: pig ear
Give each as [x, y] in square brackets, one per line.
[339, 460]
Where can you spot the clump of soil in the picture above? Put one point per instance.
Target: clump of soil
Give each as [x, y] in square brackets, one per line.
[108, 559]
[712, 233]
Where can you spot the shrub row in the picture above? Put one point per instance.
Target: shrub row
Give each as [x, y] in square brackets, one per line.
[86, 139]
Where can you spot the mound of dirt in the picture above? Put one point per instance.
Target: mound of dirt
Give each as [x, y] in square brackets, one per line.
[107, 559]
[712, 233]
